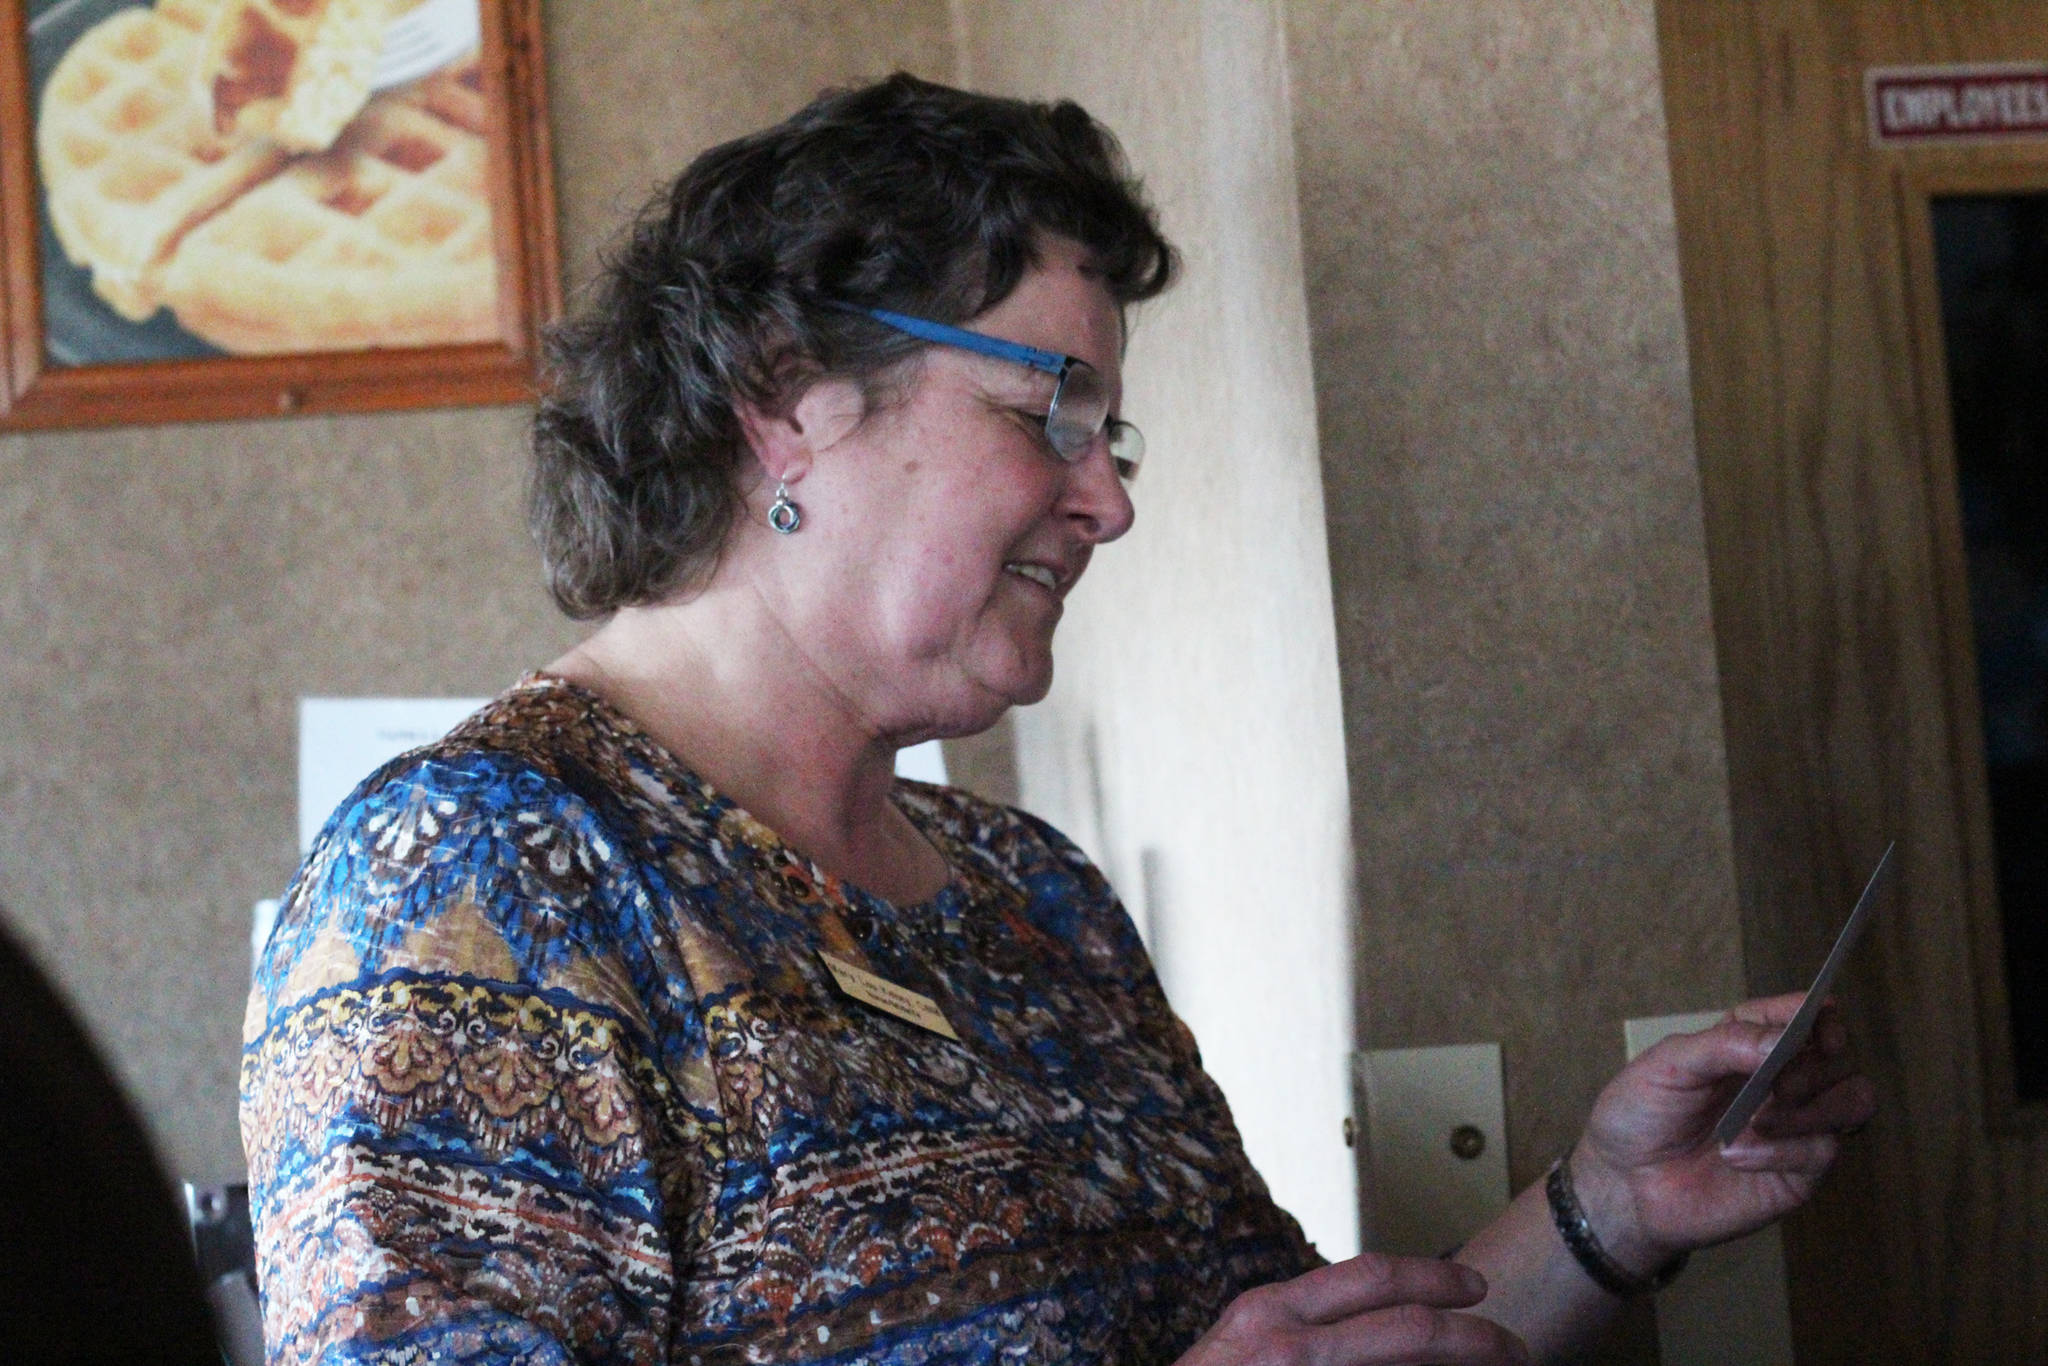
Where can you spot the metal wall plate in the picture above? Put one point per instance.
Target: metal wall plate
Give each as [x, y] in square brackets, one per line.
[1436, 1145]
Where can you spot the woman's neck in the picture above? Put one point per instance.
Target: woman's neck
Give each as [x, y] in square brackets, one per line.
[765, 728]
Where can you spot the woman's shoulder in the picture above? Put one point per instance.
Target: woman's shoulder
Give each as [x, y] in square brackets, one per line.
[501, 849]
[1001, 839]
[525, 764]
[1025, 866]
[543, 753]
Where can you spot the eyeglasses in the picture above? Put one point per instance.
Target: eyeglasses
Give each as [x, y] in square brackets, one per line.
[1080, 400]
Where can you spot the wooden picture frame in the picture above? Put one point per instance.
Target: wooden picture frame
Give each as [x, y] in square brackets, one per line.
[125, 381]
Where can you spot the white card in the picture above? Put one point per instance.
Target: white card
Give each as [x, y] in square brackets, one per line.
[1751, 1097]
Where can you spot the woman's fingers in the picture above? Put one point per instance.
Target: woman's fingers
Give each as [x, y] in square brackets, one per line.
[1740, 1043]
[1849, 1104]
[1822, 1089]
[1826, 1061]
[1416, 1335]
[1774, 1011]
[1807, 1155]
[1368, 1311]
[1371, 1281]
[1731, 1049]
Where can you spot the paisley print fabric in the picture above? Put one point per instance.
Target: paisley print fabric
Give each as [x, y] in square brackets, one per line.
[542, 1065]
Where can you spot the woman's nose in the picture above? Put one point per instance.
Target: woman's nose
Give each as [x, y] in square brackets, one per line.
[1097, 498]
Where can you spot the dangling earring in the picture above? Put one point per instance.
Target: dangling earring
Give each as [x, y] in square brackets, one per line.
[783, 514]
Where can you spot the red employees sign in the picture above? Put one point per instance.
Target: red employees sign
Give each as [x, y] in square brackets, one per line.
[1948, 103]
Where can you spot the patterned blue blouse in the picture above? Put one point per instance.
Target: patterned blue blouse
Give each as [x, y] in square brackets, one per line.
[543, 1064]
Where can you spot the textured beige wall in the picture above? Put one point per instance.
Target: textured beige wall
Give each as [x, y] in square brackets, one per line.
[638, 87]
[167, 594]
[1529, 687]
[1529, 680]
[1192, 741]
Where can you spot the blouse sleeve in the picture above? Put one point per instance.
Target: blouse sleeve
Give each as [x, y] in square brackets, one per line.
[462, 1144]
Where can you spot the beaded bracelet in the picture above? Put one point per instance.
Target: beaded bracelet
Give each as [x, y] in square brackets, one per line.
[1607, 1273]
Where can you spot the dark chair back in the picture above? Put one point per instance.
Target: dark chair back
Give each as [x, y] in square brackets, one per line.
[95, 1258]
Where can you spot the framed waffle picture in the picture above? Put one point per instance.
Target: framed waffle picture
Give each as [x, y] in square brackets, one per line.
[241, 208]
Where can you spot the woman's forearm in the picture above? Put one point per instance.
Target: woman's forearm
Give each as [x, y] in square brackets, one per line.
[1535, 1287]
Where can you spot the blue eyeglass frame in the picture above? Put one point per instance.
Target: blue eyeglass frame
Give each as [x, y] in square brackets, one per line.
[1050, 362]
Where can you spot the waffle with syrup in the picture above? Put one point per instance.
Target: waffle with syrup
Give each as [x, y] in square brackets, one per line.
[130, 158]
[382, 240]
[294, 71]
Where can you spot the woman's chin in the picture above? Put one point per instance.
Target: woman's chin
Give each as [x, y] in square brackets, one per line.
[1031, 683]
[1019, 687]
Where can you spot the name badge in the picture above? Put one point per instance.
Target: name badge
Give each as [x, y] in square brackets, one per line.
[889, 998]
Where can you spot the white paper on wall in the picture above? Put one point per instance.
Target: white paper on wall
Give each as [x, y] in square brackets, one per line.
[926, 762]
[341, 739]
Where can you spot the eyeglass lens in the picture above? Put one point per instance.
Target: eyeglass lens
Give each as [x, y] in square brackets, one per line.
[1126, 449]
[1080, 410]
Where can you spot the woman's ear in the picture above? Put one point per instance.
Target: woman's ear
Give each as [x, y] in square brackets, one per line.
[786, 444]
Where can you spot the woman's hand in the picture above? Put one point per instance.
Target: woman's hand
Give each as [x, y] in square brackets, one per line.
[1652, 1182]
[1369, 1311]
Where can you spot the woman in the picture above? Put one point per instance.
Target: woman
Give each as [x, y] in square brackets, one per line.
[648, 1017]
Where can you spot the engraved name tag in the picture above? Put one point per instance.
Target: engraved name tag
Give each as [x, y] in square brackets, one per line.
[889, 998]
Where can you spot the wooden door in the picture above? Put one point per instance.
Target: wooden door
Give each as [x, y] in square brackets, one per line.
[1844, 635]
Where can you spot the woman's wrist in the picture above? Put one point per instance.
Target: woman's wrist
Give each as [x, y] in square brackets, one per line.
[1595, 1215]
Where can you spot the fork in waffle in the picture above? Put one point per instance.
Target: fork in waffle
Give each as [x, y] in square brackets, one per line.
[129, 159]
[294, 71]
[383, 240]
